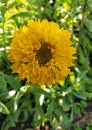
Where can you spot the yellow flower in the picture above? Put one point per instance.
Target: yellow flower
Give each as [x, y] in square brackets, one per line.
[42, 53]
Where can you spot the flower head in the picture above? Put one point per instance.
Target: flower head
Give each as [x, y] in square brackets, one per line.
[42, 53]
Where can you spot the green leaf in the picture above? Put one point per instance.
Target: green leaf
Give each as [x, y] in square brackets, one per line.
[71, 115]
[78, 127]
[13, 81]
[3, 9]
[83, 104]
[86, 94]
[88, 88]
[65, 105]
[38, 117]
[66, 121]
[50, 109]
[57, 113]
[8, 122]
[76, 109]
[3, 84]
[3, 108]
[3, 94]
[88, 24]
[16, 115]
[21, 15]
[78, 95]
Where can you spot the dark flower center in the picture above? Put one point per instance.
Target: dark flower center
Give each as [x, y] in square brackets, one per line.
[43, 55]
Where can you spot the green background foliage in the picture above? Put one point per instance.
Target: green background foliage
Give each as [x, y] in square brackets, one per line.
[59, 103]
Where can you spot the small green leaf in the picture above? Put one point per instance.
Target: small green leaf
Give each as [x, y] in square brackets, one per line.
[21, 14]
[86, 94]
[3, 94]
[57, 114]
[76, 109]
[71, 115]
[13, 81]
[88, 24]
[2, 82]
[66, 121]
[83, 104]
[78, 95]
[38, 117]
[3, 108]
[78, 127]
[50, 109]
[3, 9]
[65, 105]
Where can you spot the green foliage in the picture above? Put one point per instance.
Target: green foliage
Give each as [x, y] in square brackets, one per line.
[59, 103]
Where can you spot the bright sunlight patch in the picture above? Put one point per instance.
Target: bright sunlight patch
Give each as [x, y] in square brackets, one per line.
[42, 53]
